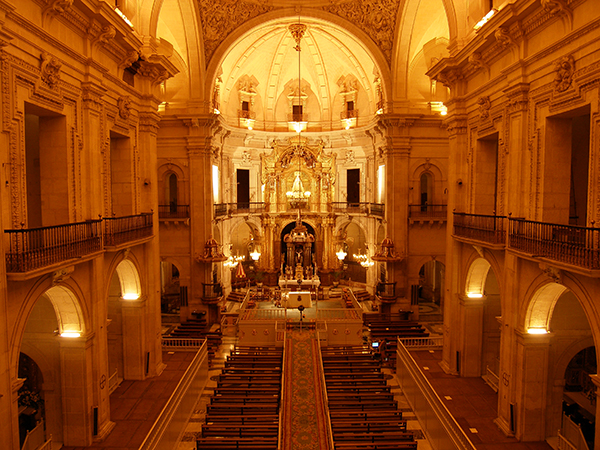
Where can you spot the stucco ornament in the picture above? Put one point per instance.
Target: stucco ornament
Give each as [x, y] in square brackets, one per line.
[124, 105]
[565, 68]
[220, 17]
[503, 37]
[60, 6]
[377, 18]
[553, 6]
[108, 34]
[50, 70]
[484, 107]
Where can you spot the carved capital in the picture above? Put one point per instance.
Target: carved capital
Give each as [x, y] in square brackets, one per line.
[108, 34]
[149, 122]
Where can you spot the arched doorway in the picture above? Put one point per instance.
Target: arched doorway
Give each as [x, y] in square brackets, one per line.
[430, 290]
[54, 329]
[171, 295]
[124, 312]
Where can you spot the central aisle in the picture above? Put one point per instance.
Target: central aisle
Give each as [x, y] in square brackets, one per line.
[304, 417]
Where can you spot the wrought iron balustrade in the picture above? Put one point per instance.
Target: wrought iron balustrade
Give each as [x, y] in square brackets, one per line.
[245, 114]
[579, 246]
[119, 230]
[173, 211]
[377, 209]
[30, 249]
[349, 114]
[485, 228]
[427, 211]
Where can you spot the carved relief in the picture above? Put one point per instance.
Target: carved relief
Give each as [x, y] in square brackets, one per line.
[108, 34]
[129, 59]
[476, 60]
[50, 70]
[377, 18]
[219, 18]
[565, 68]
[62, 275]
[246, 158]
[503, 37]
[554, 6]
[484, 107]
[124, 105]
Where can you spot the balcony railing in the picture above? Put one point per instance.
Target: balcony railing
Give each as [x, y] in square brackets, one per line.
[243, 114]
[574, 245]
[30, 249]
[490, 229]
[224, 209]
[301, 117]
[427, 211]
[377, 209]
[173, 211]
[119, 230]
[349, 114]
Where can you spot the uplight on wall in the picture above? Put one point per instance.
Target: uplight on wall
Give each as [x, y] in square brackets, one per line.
[485, 19]
[474, 295]
[130, 296]
[70, 334]
[535, 330]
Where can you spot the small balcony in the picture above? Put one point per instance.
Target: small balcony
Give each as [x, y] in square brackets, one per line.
[482, 228]
[34, 248]
[173, 211]
[574, 245]
[349, 114]
[427, 213]
[122, 230]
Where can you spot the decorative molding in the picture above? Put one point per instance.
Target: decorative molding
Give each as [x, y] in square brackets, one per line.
[503, 37]
[476, 60]
[148, 122]
[56, 7]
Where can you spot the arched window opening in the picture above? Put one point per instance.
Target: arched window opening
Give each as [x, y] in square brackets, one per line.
[425, 189]
[171, 193]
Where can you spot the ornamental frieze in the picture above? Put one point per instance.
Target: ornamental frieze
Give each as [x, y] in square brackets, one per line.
[377, 18]
[220, 17]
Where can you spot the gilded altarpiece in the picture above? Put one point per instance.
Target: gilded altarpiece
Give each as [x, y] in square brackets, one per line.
[297, 175]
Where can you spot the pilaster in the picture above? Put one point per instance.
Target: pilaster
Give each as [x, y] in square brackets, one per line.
[471, 330]
[135, 356]
[77, 387]
[531, 386]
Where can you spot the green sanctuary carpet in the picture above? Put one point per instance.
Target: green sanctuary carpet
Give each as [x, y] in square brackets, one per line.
[304, 421]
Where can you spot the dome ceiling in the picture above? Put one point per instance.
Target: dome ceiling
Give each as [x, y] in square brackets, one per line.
[330, 63]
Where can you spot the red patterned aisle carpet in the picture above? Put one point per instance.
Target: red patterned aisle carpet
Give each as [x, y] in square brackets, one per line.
[304, 421]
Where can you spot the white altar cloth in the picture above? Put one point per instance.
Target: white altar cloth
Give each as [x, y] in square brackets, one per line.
[293, 299]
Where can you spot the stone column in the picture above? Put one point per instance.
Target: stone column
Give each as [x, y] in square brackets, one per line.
[76, 387]
[136, 357]
[471, 331]
[531, 386]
